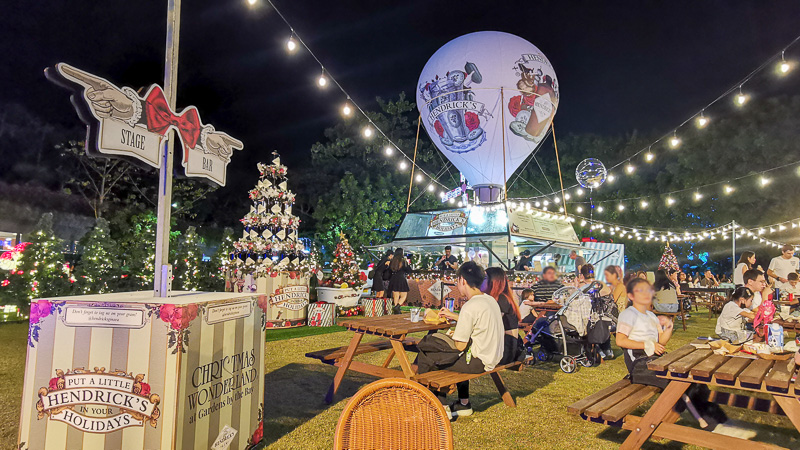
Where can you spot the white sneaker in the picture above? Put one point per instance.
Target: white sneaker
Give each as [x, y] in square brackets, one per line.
[449, 413]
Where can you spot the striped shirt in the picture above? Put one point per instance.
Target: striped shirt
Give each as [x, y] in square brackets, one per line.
[543, 291]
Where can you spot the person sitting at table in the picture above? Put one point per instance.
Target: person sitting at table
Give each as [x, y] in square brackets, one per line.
[755, 281]
[524, 262]
[526, 307]
[478, 334]
[746, 262]
[666, 298]
[448, 261]
[709, 281]
[731, 321]
[615, 286]
[643, 337]
[543, 289]
[499, 288]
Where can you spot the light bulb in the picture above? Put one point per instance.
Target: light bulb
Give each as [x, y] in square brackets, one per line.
[368, 132]
[291, 45]
[611, 178]
[643, 204]
[698, 196]
[629, 168]
[670, 201]
[765, 181]
[252, 2]
[347, 110]
[702, 121]
[431, 187]
[621, 207]
[460, 204]
[674, 141]
[388, 150]
[567, 196]
[784, 66]
[557, 200]
[583, 223]
[741, 99]
[403, 165]
[579, 209]
[537, 204]
[419, 178]
[322, 81]
[451, 201]
[441, 194]
[579, 191]
[545, 203]
[600, 209]
[729, 189]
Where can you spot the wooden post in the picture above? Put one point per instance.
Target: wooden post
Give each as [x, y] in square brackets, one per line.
[558, 164]
[503, 134]
[162, 282]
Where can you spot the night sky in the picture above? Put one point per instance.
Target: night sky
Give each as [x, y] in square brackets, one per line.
[622, 66]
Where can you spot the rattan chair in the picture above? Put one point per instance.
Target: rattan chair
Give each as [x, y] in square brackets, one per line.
[393, 414]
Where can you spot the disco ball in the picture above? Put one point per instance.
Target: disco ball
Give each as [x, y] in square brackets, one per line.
[591, 173]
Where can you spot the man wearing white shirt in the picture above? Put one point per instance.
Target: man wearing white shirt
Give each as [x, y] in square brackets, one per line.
[781, 266]
[754, 280]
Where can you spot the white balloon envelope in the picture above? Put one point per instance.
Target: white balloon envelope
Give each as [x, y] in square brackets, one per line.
[471, 87]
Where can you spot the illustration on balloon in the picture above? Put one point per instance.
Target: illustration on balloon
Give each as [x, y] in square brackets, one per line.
[469, 84]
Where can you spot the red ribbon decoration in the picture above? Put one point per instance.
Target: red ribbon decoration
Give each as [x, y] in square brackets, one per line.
[160, 117]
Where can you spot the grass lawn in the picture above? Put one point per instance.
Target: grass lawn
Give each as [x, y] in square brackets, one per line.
[297, 416]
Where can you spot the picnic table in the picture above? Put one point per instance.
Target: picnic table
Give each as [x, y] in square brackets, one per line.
[394, 329]
[687, 366]
[712, 301]
[791, 325]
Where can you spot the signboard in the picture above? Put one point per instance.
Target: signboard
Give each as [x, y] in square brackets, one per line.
[448, 221]
[121, 123]
[461, 190]
[528, 225]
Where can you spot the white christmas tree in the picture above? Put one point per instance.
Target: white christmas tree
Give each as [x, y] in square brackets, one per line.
[270, 242]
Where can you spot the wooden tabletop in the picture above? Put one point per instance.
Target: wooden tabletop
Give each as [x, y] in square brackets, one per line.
[726, 290]
[394, 325]
[788, 325]
[703, 366]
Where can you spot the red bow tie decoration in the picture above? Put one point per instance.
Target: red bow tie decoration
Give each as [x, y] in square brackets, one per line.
[160, 117]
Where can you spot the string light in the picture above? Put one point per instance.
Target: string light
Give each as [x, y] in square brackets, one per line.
[629, 168]
[675, 141]
[579, 209]
[784, 66]
[403, 165]
[431, 187]
[388, 150]
[600, 209]
[611, 178]
[621, 207]
[368, 132]
[251, 2]
[670, 201]
[291, 44]
[322, 81]
[702, 121]
[649, 157]
[741, 99]
[728, 189]
[419, 178]
[763, 181]
[347, 111]
[698, 196]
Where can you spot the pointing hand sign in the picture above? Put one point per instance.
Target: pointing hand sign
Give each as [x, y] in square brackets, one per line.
[105, 99]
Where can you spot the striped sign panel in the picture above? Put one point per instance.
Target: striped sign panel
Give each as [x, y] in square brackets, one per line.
[128, 371]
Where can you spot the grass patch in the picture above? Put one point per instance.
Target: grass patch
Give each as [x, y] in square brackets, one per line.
[292, 333]
[296, 415]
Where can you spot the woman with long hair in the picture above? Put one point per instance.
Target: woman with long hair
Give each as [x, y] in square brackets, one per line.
[746, 262]
[666, 293]
[378, 283]
[616, 288]
[499, 288]
[398, 285]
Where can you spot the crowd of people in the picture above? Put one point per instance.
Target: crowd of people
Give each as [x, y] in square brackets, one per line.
[486, 332]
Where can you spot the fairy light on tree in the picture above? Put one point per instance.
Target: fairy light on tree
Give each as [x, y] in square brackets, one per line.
[189, 257]
[99, 268]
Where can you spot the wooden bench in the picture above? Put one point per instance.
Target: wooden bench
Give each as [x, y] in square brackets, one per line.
[444, 381]
[333, 355]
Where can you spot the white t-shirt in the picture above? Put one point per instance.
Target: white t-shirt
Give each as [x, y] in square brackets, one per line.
[757, 299]
[782, 267]
[637, 326]
[481, 320]
[789, 289]
[738, 274]
[730, 318]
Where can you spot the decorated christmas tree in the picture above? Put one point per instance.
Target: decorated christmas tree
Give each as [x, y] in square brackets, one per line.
[44, 271]
[270, 243]
[668, 261]
[99, 268]
[344, 267]
[189, 257]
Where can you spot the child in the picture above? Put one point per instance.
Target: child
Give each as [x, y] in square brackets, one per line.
[526, 311]
[642, 336]
[731, 321]
[640, 333]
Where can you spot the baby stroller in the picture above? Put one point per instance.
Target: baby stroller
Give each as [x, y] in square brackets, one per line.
[564, 332]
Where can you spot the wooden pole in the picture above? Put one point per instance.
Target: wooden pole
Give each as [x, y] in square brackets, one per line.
[162, 282]
[558, 164]
[413, 164]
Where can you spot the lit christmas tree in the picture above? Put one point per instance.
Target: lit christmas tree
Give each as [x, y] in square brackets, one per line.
[99, 268]
[188, 259]
[138, 252]
[44, 271]
[270, 242]
[344, 267]
[668, 261]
